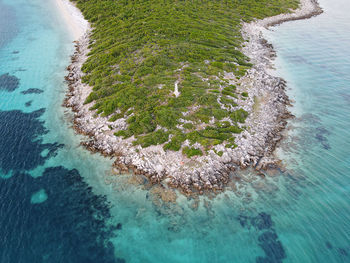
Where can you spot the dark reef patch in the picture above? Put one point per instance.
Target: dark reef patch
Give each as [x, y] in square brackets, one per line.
[244, 221]
[342, 251]
[32, 91]
[267, 237]
[8, 82]
[296, 59]
[28, 103]
[70, 226]
[274, 251]
[315, 131]
[320, 136]
[329, 245]
[262, 221]
[15, 52]
[20, 70]
[20, 141]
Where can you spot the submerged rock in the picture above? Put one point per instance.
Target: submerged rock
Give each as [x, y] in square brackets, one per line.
[262, 221]
[329, 245]
[342, 251]
[28, 103]
[8, 82]
[32, 91]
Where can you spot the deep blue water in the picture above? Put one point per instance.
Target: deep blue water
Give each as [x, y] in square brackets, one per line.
[49, 214]
[59, 203]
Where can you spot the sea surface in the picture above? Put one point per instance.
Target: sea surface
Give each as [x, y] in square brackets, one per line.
[60, 203]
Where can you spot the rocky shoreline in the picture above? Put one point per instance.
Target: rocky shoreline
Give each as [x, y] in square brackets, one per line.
[267, 106]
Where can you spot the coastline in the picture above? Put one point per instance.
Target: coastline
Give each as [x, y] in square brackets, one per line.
[74, 19]
[267, 104]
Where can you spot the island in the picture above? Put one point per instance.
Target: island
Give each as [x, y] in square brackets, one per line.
[180, 91]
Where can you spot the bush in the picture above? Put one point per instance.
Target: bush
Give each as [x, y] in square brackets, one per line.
[190, 152]
[154, 138]
[188, 126]
[239, 115]
[167, 117]
[175, 143]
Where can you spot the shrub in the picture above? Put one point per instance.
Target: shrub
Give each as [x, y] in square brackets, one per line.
[167, 117]
[175, 143]
[154, 138]
[190, 152]
[188, 126]
[239, 115]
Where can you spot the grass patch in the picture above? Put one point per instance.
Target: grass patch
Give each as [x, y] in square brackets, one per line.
[189, 152]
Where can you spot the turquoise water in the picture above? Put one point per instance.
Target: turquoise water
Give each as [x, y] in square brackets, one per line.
[59, 203]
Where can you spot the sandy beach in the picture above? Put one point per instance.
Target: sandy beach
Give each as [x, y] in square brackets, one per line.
[267, 106]
[76, 24]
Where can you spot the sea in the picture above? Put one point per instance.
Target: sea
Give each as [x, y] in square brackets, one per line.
[61, 203]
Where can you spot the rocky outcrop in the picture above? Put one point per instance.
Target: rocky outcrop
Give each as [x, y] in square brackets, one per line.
[266, 103]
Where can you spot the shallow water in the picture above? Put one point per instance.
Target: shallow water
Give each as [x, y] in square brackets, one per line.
[59, 203]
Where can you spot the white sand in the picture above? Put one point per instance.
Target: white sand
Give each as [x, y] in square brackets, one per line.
[74, 19]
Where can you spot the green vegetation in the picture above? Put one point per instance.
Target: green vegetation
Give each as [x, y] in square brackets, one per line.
[220, 153]
[244, 94]
[191, 151]
[140, 48]
[153, 138]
